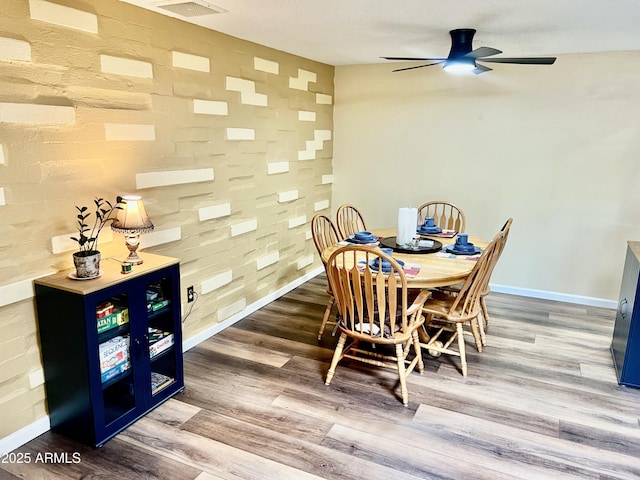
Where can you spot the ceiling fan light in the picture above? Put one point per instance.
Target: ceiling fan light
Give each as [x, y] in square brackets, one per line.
[459, 67]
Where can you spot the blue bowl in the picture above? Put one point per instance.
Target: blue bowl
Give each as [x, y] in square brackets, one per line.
[363, 235]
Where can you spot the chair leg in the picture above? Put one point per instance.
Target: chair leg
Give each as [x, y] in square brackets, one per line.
[483, 335]
[478, 332]
[336, 358]
[325, 319]
[485, 311]
[418, 350]
[461, 348]
[402, 374]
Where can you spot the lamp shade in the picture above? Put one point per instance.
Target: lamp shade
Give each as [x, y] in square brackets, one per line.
[132, 218]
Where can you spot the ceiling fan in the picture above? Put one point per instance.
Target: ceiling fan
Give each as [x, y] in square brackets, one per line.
[462, 57]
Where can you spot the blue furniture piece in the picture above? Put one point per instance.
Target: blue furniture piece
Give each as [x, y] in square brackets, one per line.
[111, 346]
[625, 345]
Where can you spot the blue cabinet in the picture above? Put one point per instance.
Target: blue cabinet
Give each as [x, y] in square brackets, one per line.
[111, 346]
[625, 345]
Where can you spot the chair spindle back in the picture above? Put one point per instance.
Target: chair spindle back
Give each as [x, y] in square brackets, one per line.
[446, 215]
[349, 221]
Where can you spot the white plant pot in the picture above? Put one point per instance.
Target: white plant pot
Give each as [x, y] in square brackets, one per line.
[87, 265]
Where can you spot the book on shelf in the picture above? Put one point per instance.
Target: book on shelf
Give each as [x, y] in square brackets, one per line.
[115, 371]
[104, 309]
[159, 341]
[113, 352]
[155, 298]
[152, 294]
[159, 381]
[156, 334]
[113, 320]
[157, 304]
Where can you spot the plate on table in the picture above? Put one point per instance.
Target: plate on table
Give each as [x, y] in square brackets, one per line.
[375, 262]
[455, 251]
[443, 234]
[372, 239]
[428, 230]
[73, 276]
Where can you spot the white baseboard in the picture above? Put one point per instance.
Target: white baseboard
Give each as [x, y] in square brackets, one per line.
[525, 292]
[560, 297]
[24, 435]
[218, 327]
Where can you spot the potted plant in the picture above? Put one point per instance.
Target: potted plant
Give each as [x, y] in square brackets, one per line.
[87, 258]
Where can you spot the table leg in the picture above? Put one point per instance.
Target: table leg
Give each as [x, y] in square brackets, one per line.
[424, 336]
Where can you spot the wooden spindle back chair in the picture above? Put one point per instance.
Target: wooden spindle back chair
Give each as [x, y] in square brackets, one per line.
[349, 221]
[449, 312]
[324, 235]
[487, 289]
[373, 308]
[454, 289]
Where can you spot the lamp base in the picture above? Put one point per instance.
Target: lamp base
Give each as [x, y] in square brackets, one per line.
[132, 242]
[133, 259]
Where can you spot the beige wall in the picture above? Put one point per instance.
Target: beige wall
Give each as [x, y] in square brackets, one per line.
[229, 143]
[556, 148]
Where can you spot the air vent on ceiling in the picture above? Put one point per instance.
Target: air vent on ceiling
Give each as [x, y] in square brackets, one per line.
[193, 8]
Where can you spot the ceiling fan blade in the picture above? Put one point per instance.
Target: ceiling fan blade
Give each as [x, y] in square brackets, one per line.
[416, 59]
[522, 60]
[411, 68]
[481, 69]
[483, 52]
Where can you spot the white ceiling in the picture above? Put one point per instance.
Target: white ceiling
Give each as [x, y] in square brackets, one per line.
[348, 32]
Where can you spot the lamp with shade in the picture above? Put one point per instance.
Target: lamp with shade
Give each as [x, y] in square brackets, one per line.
[132, 220]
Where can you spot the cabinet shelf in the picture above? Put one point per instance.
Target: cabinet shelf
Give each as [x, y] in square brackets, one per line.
[112, 333]
[159, 382]
[116, 379]
[158, 313]
[80, 404]
[162, 387]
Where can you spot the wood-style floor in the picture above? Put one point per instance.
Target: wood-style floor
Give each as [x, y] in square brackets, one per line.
[540, 402]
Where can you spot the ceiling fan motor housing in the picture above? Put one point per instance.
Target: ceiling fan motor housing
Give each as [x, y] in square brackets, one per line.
[461, 42]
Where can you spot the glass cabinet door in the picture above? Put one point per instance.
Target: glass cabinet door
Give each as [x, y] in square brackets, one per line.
[160, 334]
[114, 352]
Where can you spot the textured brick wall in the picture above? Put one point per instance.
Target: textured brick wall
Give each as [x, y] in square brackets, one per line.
[229, 144]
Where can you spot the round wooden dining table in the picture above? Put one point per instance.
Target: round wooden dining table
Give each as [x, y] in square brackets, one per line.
[435, 269]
